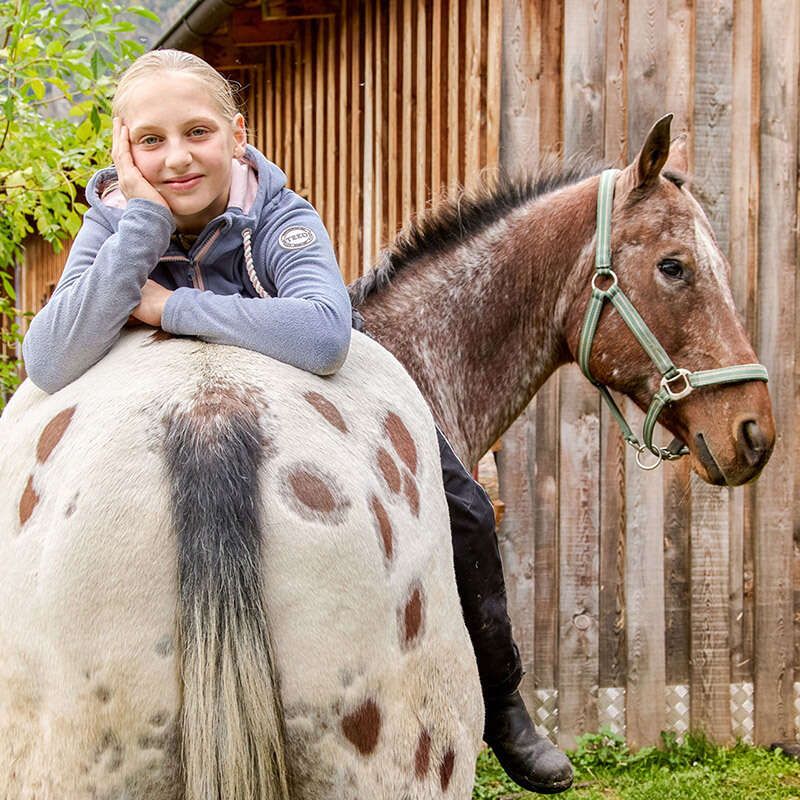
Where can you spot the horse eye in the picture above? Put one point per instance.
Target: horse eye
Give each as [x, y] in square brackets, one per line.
[671, 268]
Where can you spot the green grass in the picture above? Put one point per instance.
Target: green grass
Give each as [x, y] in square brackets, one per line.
[693, 770]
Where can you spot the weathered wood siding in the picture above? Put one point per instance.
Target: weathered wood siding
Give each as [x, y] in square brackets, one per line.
[374, 111]
[653, 601]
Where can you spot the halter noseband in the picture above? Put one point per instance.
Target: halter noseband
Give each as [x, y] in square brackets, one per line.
[676, 383]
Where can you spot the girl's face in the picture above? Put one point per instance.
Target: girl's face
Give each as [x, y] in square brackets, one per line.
[183, 146]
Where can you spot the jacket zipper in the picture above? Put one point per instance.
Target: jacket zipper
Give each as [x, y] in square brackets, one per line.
[195, 273]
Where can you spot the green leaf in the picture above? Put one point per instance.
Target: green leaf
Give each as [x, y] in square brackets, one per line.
[38, 88]
[144, 12]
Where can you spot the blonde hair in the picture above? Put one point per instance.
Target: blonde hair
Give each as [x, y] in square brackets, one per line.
[221, 91]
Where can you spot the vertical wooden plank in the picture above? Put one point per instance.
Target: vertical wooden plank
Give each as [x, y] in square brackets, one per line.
[775, 491]
[681, 64]
[550, 135]
[551, 125]
[453, 84]
[520, 85]
[438, 76]
[381, 110]
[494, 46]
[331, 107]
[407, 105]
[644, 571]
[677, 571]
[343, 112]
[516, 465]
[710, 701]
[423, 77]
[287, 57]
[579, 476]
[612, 644]
[308, 111]
[321, 153]
[368, 143]
[676, 477]
[269, 123]
[393, 127]
[356, 159]
[743, 252]
[515, 536]
[644, 579]
[474, 122]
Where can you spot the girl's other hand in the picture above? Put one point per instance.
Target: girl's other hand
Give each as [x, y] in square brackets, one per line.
[149, 310]
[131, 181]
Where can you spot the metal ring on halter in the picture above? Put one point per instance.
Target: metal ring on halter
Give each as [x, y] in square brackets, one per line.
[604, 273]
[687, 389]
[645, 449]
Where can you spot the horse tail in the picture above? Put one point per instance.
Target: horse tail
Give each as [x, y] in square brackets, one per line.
[232, 725]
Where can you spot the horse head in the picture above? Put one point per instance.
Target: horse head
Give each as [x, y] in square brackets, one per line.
[668, 263]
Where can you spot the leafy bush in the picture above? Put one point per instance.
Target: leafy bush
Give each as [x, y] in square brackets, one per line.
[57, 61]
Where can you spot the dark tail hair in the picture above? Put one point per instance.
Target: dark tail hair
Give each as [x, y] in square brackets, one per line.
[232, 726]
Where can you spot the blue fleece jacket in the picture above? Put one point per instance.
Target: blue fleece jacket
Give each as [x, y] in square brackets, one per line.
[305, 322]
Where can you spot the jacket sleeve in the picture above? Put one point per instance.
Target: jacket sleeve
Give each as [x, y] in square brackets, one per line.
[100, 286]
[306, 325]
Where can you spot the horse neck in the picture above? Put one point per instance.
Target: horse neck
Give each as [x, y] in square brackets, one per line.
[488, 315]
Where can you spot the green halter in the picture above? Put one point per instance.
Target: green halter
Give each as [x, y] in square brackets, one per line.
[676, 383]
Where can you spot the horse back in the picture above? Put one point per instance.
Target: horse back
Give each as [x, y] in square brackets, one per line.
[374, 670]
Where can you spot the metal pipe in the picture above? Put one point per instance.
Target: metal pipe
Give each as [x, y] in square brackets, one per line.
[199, 21]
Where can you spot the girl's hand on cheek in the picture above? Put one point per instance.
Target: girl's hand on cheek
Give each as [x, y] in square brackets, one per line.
[131, 181]
[149, 310]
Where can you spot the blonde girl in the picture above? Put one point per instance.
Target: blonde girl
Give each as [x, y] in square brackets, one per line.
[193, 231]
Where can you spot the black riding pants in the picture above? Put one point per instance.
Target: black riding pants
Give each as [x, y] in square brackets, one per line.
[479, 576]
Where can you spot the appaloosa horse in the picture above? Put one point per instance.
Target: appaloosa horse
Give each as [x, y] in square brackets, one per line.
[221, 577]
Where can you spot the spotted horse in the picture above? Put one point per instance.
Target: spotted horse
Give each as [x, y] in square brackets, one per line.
[221, 577]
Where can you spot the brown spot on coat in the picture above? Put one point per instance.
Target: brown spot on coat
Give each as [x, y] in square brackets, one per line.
[401, 440]
[411, 492]
[327, 409]
[362, 727]
[384, 527]
[389, 470]
[412, 617]
[103, 694]
[316, 495]
[446, 769]
[27, 502]
[72, 506]
[422, 758]
[52, 433]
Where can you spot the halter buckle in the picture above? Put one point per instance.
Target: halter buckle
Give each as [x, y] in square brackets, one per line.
[672, 394]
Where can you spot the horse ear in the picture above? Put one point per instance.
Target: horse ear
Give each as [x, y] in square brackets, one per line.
[678, 160]
[654, 153]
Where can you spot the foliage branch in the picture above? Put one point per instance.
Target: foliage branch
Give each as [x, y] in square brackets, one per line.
[57, 62]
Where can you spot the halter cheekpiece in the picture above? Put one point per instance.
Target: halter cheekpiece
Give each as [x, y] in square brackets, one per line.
[676, 383]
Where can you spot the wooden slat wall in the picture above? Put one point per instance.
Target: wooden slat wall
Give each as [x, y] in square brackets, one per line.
[353, 115]
[686, 596]
[634, 597]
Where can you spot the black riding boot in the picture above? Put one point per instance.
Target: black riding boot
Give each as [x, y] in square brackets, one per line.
[528, 758]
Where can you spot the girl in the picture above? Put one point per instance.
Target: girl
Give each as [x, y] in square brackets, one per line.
[193, 231]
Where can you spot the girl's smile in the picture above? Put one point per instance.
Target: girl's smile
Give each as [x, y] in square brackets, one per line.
[183, 146]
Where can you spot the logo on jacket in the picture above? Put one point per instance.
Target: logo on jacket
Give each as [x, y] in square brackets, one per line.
[295, 237]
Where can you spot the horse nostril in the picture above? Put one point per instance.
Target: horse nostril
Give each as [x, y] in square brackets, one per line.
[752, 444]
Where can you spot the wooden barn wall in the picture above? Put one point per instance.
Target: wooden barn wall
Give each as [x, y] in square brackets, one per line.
[644, 602]
[652, 601]
[374, 112]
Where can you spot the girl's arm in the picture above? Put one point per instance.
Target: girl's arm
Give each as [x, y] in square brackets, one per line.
[100, 286]
[306, 325]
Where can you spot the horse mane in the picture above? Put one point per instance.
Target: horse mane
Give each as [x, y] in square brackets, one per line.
[464, 215]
